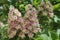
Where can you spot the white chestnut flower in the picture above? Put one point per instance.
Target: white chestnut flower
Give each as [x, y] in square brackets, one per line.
[25, 31]
[28, 7]
[44, 13]
[12, 34]
[35, 30]
[11, 8]
[22, 35]
[51, 14]
[29, 28]
[30, 35]
[18, 27]
[14, 17]
[17, 12]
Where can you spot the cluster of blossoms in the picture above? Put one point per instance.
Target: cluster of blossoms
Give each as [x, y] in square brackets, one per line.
[28, 25]
[46, 8]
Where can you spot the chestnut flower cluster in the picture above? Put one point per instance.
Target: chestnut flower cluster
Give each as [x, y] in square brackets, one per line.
[28, 25]
[46, 9]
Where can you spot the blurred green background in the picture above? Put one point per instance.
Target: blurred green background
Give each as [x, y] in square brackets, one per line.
[50, 32]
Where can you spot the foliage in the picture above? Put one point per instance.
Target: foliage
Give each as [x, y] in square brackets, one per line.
[48, 32]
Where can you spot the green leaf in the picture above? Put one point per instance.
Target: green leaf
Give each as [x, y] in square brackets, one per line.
[45, 37]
